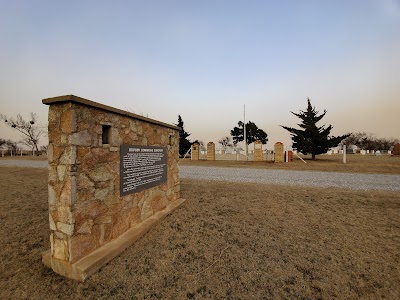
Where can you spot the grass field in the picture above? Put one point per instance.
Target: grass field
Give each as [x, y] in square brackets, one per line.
[356, 163]
[25, 157]
[228, 241]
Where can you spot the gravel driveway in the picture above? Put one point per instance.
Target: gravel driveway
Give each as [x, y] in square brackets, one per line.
[354, 181]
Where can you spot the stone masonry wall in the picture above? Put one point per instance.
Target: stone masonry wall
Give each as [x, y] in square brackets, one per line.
[258, 152]
[279, 152]
[195, 151]
[210, 151]
[85, 207]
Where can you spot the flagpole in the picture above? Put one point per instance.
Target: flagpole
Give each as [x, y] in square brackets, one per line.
[244, 130]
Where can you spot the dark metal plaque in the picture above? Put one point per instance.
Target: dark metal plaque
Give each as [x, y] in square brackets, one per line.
[142, 167]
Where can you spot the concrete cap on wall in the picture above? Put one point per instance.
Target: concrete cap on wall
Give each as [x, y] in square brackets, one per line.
[86, 102]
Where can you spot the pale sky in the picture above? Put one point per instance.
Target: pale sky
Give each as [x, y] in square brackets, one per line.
[206, 59]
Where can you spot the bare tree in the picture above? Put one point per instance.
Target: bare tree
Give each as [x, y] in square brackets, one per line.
[12, 146]
[386, 143]
[9, 145]
[44, 149]
[225, 142]
[29, 130]
[237, 148]
[368, 141]
[363, 140]
[202, 146]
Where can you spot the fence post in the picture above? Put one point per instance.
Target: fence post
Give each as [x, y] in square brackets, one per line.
[344, 154]
[286, 155]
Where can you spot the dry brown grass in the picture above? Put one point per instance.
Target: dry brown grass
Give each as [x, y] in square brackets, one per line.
[356, 163]
[24, 157]
[225, 242]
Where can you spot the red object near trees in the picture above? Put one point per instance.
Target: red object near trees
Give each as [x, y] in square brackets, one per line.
[290, 156]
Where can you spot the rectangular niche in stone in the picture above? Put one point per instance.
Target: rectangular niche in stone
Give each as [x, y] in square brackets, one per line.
[142, 167]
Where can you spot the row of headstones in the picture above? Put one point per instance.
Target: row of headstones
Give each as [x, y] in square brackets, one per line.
[376, 153]
[279, 152]
[362, 152]
[395, 152]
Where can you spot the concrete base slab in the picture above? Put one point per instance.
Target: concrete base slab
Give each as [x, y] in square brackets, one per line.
[91, 263]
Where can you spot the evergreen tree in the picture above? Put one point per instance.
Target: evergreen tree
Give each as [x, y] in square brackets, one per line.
[184, 143]
[253, 133]
[311, 138]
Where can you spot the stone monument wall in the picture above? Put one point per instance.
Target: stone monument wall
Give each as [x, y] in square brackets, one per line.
[87, 208]
[279, 152]
[195, 151]
[258, 152]
[210, 151]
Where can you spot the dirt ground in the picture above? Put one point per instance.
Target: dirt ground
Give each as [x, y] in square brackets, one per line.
[227, 241]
